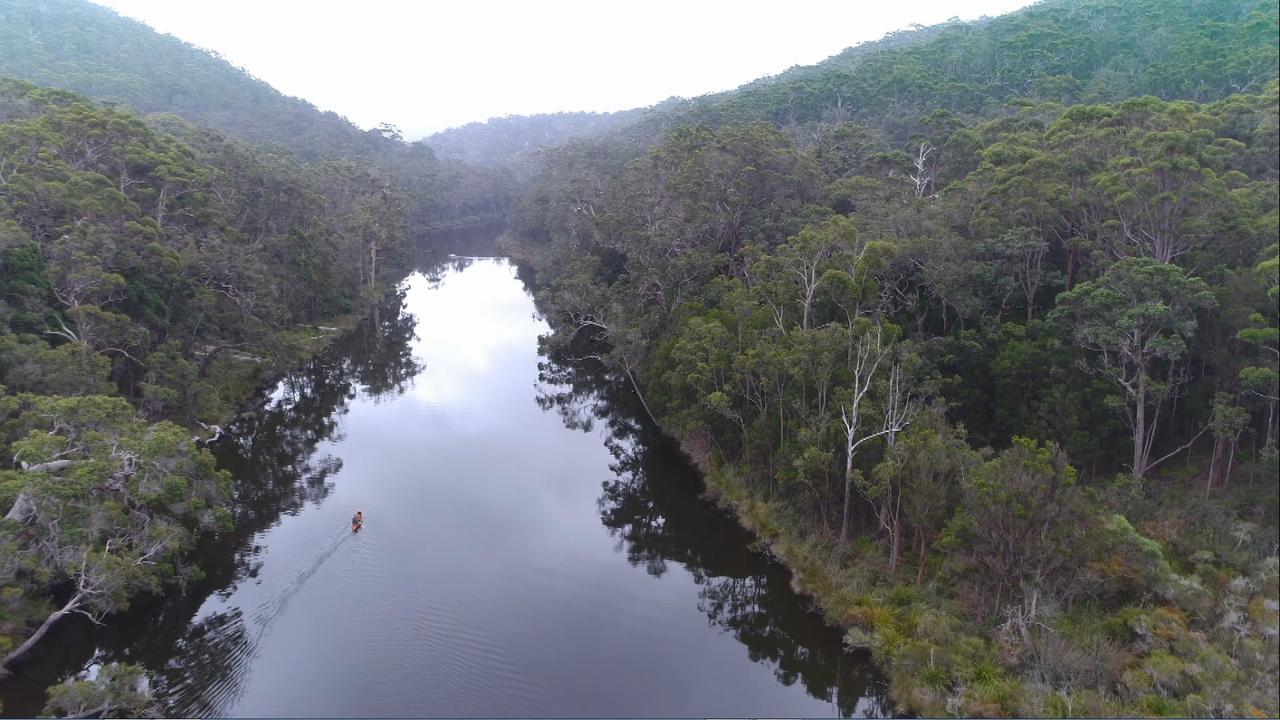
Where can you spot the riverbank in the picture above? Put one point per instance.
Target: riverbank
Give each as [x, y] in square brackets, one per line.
[940, 662]
[243, 377]
[236, 377]
[400, 419]
[1170, 602]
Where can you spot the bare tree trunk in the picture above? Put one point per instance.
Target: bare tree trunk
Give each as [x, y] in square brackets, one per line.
[1271, 426]
[848, 493]
[1230, 460]
[1213, 464]
[1140, 428]
[895, 548]
[23, 508]
[72, 605]
[920, 568]
[636, 386]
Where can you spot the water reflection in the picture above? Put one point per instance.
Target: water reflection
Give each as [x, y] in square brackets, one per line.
[652, 505]
[445, 616]
[271, 451]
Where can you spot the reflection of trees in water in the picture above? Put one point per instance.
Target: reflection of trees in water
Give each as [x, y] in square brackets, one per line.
[272, 453]
[209, 662]
[272, 446]
[443, 266]
[652, 505]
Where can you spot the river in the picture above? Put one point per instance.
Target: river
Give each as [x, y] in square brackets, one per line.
[531, 548]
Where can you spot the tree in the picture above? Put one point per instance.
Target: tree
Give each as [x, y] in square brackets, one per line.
[1021, 527]
[917, 481]
[896, 404]
[115, 690]
[793, 274]
[1136, 320]
[1226, 422]
[1019, 254]
[1262, 380]
[105, 503]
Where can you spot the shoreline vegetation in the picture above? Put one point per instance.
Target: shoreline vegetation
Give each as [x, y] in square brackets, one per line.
[977, 326]
[1164, 654]
[153, 276]
[930, 670]
[115, 689]
[978, 338]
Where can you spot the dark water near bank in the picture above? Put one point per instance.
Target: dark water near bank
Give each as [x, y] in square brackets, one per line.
[531, 548]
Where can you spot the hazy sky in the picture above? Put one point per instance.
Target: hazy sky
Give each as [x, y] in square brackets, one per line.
[426, 66]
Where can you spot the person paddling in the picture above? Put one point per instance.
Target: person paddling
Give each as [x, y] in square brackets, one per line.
[357, 521]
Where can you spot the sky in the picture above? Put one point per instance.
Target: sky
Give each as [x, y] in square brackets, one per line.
[426, 66]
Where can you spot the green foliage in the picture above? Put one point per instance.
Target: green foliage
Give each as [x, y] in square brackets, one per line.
[115, 690]
[28, 364]
[104, 502]
[1066, 276]
[145, 255]
[889, 295]
[1063, 52]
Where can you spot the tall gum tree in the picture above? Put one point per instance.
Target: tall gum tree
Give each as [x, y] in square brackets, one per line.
[1135, 321]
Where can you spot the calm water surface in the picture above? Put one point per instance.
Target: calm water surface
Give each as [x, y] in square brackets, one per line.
[530, 548]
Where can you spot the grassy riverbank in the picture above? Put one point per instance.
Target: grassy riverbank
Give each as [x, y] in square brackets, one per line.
[1207, 641]
[1130, 597]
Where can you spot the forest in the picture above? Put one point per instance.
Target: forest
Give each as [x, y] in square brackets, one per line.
[165, 247]
[974, 326]
[151, 274]
[88, 49]
[978, 330]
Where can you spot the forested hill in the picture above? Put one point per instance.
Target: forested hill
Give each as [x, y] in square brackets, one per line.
[79, 46]
[150, 272]
[980, 332]
[504, 139]
[1065, 51]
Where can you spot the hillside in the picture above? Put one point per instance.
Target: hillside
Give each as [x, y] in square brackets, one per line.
[1058, 51]
[1065, 52]
[506, 139]
[979, 333]
[88, 49]
[151, 273]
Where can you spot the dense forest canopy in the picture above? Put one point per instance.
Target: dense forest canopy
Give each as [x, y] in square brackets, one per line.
[92, 50]
[163, 248]
[979, 329]
[150, 272]
[976, 324]
[79, 46]
[510, 139]
[1086, 51]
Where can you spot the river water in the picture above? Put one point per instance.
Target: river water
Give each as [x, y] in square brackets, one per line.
[531, 548]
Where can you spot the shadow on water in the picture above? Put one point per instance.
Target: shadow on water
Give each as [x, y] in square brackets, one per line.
[653, 506]
[271, 451]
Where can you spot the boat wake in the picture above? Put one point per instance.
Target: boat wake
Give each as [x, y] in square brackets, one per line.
[270, 609]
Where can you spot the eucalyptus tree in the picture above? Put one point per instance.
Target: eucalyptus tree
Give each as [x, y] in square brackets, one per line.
[101, 503]
[1261, 378]
[918, 482]
[1135, 322]
[866, 415]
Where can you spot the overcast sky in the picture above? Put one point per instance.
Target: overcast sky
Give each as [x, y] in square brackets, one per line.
[426, 66]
